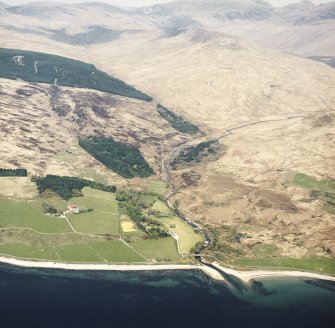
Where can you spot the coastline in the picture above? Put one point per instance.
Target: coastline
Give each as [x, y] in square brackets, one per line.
[108, 267]
[245, 276]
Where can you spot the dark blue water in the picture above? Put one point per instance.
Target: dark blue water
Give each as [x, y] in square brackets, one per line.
[42, 298]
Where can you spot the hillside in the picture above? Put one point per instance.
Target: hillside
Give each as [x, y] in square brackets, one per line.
[42, 125]
[44, 68]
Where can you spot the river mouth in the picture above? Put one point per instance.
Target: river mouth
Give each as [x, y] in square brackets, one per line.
[172, 298]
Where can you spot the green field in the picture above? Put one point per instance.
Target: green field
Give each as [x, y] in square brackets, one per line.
[163, 249]
[308, 182]
[29, 214]
[45, 68]
[187, 237]
[28, 233]
[314, 264]
[31, 252]
[116, 251]
[105, 216]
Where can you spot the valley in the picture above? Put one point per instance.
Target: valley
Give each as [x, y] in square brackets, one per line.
[189, 110]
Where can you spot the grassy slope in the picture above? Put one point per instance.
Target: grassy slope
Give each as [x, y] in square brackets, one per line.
[46, 68]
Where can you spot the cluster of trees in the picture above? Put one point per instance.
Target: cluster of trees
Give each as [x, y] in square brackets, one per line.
[194, 153]
[13, 172]
[68, 187]
[124, 159]
[66, 71]
[134, 203]
[177, 122]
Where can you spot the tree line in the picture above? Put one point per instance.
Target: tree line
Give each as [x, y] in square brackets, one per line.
[177, 122]
[68, 187]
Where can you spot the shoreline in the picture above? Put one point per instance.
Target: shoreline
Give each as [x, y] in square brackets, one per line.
[212, 273]
[245, 276]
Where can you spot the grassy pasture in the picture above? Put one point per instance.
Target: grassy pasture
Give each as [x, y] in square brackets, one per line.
[78, 253]
[103, 252]
[29, 233]
[31, 252]
[116, 251]
[158, 249]
[105, 216]
[187, 237]
[161, 207]
[28, 214]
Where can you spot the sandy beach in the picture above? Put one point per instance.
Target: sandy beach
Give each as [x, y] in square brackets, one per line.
[108, 267]
[245, 276]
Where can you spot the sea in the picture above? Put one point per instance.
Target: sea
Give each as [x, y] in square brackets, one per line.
[34, 298]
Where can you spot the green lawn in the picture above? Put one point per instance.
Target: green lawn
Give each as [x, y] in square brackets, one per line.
[105, 216]
[158, 249]
[308, 182]
[28, 214]
[315, 264]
